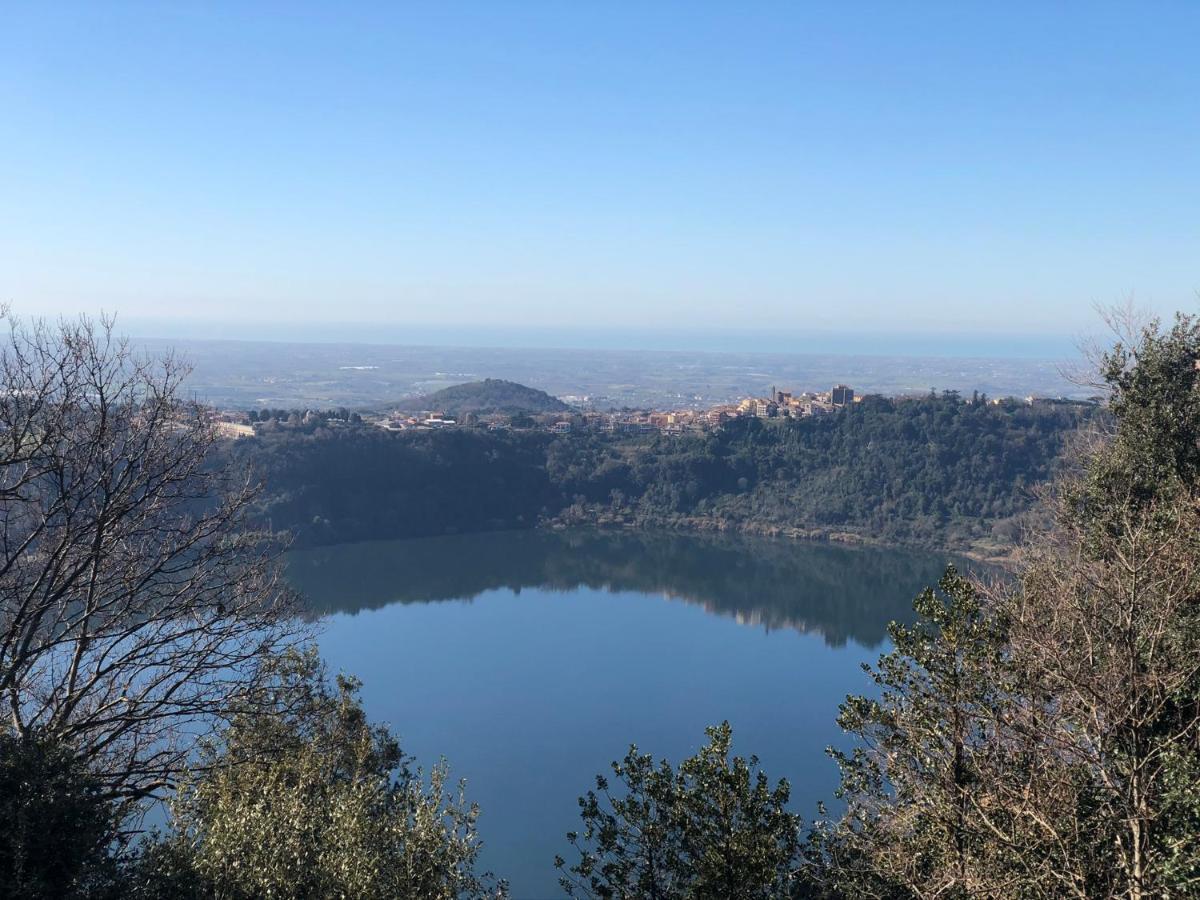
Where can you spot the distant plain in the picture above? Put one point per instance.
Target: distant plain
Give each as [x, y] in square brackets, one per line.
[250, 374]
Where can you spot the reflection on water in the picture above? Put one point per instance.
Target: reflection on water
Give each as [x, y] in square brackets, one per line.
[837, 592]
[561, 651]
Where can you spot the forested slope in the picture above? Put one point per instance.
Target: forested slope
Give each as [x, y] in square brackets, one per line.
[934, 471]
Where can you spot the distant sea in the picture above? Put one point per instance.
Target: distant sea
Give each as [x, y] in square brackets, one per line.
[916, 343]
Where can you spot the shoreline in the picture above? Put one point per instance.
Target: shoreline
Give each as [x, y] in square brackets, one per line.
[699, 525]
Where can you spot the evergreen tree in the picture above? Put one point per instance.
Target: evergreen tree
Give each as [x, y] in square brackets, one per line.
[714, 828]
[312, 801]
[57, 827]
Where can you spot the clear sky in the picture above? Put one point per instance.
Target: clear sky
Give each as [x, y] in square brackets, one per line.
[968, 167]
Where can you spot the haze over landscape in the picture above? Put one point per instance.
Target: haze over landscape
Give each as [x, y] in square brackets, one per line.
[688, 451]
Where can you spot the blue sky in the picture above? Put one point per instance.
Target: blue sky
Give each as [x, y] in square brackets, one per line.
[896, 167]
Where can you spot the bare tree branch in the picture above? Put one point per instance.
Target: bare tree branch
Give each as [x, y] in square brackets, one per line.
[135, 603]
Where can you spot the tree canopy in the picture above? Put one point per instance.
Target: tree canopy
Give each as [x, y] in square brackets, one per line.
[713, 828]
[308, 799]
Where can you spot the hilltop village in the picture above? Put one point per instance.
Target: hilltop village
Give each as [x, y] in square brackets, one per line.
[780, 404]
[549, 414]
[540, 411]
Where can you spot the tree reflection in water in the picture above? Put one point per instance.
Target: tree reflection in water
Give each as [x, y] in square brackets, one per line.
[838, 592]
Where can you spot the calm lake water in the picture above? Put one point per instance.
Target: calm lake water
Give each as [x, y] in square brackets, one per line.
[530, 660]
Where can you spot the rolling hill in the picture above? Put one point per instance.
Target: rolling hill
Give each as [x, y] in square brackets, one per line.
[492, 395]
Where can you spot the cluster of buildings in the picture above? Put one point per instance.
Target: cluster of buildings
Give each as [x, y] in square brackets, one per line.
[400, 422]
[795, 406]
[779, 404]
[228, 427]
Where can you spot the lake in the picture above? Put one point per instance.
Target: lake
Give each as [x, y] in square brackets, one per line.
[532, 659]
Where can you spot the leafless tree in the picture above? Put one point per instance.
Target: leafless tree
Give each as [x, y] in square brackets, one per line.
[1124, 322]
[135, 603]
[1112, 637]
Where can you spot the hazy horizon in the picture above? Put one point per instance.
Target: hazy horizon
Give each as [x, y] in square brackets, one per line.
[801, 342]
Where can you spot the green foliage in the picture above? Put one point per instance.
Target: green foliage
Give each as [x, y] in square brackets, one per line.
[713, 829]
[56, 827]
[311, 800]
[933, 471]
[919, 783]
[1154, 386]
[363, 483]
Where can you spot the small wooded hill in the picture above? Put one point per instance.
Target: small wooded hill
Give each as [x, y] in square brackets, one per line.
[492, 395]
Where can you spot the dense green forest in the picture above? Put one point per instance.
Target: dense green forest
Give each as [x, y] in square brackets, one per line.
[936, 471]
[330, 486]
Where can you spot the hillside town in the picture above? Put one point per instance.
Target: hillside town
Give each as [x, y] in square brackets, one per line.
[778, 404]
